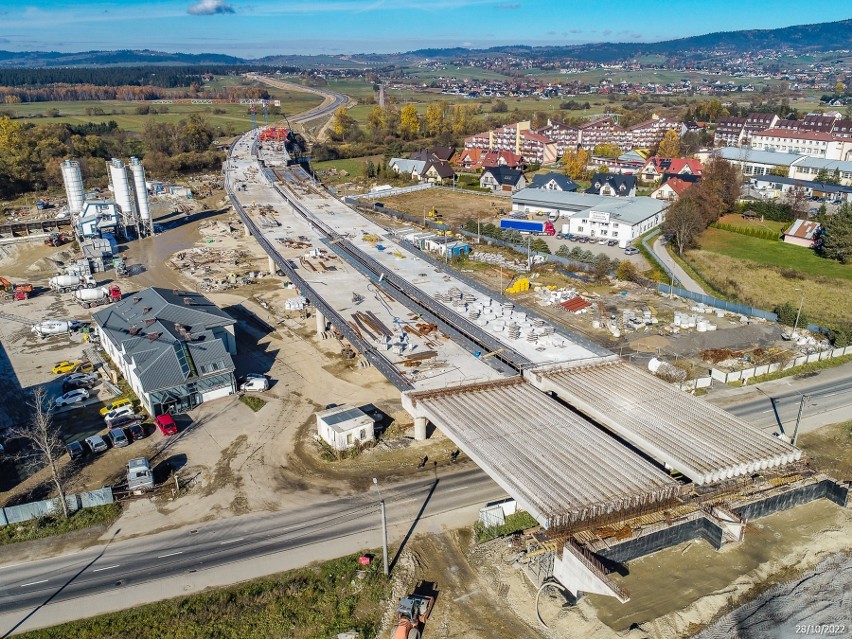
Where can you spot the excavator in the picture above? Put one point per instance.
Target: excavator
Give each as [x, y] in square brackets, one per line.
[17, 292]
[56, 239]
[411, 614]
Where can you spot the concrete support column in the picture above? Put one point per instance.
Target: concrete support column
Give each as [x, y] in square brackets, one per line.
[272, 267]
[321, 323]
[420, 428]
[247, 230]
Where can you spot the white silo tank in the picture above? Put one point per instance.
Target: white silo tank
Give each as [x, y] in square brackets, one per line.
[141, 190]
[73, 185]
[121, 189]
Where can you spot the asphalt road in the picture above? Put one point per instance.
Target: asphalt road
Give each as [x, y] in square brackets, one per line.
[828, 402]
[114, 576]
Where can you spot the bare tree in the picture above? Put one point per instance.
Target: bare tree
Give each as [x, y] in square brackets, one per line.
[45, 440]
[685, 222]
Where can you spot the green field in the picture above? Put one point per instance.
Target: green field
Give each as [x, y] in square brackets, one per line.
[771, 253]
[353, 166]
[226, 118]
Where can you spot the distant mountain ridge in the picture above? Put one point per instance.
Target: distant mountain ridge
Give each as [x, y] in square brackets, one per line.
[826, 36]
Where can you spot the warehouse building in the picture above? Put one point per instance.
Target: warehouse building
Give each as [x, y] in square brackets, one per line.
[614, 218]
[173, 347]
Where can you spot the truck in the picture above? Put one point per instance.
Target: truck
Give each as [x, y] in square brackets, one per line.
[89, 297]
[17, 292]
[65, 283]
[528, 226]
[54, 327]
[139, 475]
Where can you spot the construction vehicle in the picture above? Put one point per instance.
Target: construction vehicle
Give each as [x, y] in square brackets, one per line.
[54, 327]
[411, 614]
[17, 292]
[67, 283]
[89, 297]
[56, 239]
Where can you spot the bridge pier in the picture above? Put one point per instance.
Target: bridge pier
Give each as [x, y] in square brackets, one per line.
[273, 269]
[247, 230]
[420, 428]
[322, 323]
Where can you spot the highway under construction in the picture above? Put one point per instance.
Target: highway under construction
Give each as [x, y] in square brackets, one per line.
[581, 440]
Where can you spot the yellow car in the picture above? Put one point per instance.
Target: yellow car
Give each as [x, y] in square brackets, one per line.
[116, 404]
[63, 368]
[84, 367]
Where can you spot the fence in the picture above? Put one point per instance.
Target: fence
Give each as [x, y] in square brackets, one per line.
[756, 371]
[715, 302]
[375, 195]
[47, 507]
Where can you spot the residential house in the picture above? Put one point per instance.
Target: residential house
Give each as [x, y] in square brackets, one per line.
[412, 168]
[813, 143]
[443, 153]
[553, 182]
[438, 172]
[613, 185]
[502, 178]
[802, 233]
[173, 347]
[739, 131]
[476, 159]
[671, 189]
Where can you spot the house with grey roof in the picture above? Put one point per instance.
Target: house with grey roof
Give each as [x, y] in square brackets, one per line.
[173, 347]
[553, 182]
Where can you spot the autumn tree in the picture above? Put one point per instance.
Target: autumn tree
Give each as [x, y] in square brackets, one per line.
[409, 122]
[685, 222]
[435, 115]
[45, 442]
[670, 145]
[607, 150]
[575, 162]
[341, 124]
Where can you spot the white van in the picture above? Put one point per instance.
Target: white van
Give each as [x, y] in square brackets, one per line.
[255, 383]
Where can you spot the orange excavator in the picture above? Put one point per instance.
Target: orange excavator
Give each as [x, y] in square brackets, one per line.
[411, 614]
[17, 292]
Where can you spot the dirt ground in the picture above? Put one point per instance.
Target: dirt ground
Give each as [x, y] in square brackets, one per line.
[456, 207]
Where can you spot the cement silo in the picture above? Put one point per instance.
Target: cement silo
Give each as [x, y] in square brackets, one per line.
[121, 191]
[141, 193]
[73, 186]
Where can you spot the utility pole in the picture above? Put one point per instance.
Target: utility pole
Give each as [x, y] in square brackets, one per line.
[798, 419]
[384, 528]
[799, 312]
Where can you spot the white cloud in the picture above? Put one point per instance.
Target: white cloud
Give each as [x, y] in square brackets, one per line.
[209, 8]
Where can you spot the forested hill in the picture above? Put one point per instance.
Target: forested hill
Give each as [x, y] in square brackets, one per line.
[105, 58]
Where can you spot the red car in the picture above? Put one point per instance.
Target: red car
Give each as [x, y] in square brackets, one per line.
[166, 424]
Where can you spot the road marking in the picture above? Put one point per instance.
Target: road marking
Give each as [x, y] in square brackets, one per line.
[763, 412]
[33, 583]
[171, 554]
[106, 568]
[231, 541]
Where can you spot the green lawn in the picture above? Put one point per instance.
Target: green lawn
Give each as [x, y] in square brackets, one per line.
[353, 166]
[773, 254]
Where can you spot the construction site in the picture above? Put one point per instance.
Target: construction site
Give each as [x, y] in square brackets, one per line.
[611, 461]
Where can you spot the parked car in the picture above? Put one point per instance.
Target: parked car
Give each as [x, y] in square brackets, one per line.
[603, 240]
[75, 449]
[80, 380]
[118, 438]
[64, 367]
[631, 250]
[612, 243]
[113, 415]
[254, 382]
[96, 444]
[560, 236]
[583, 240]
[118, 403]
[166, 424]
[137, 431]
[124, 421]
[72, 397]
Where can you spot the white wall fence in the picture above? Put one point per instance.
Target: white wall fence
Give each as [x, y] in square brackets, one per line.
[495, 513]
[376, 195]
[51, 507]
[746, 374]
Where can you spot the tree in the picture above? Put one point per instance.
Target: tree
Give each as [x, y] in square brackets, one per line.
[538, 245]
[607, 150]
[685, 222]
[45, 441]
[575, 162]
[409, 122]
[670, 145]
[839, 88]
[836, 238]
[601, 267]
[435, 117]
[341, 123]
[499, 107]
[788, 313]
[627, 271]
[797, 200]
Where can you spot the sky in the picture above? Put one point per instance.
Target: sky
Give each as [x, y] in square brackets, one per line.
[256, 28]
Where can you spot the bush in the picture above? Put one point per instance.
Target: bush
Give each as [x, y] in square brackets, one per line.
[788, 313]
[255, 403]
[50, 526]
[760, 233]
[515, 522]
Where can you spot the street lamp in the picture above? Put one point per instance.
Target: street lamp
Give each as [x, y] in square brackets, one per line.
[799, 312]
[384, 527]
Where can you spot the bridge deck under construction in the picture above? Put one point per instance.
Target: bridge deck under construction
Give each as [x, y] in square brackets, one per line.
[687, 434]
[559, 467]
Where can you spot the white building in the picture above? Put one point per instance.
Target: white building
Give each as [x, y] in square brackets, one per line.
[173, 347]
[616, 218]
[343, 427]
[794, 165]
[812, 143]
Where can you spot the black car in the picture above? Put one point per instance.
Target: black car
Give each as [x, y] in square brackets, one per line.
[77, 383]
[137, 431]
[125, 421]
[75, 449]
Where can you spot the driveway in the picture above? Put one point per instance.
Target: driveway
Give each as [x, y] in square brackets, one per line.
[685, 280]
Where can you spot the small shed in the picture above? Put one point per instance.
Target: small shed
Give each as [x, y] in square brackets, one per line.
[802, 233]
[342, 427]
